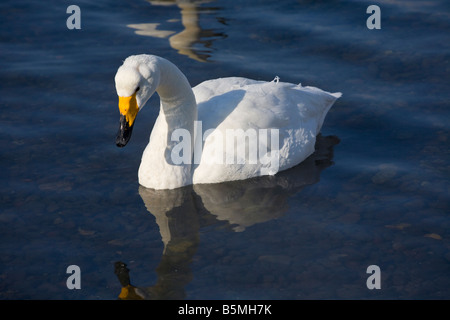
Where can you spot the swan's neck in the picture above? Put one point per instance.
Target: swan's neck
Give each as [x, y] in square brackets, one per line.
[178, 103]
[178, 111]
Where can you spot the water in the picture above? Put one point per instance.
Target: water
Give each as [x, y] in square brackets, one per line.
[380, 196]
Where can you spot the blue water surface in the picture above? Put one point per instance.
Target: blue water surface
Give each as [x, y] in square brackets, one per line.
[376, 192]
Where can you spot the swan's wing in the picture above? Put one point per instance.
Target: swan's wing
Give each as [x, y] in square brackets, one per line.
[238, 108]
[212, 88]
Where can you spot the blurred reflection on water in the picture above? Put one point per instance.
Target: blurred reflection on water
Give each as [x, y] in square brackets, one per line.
[182, 212]
[192, 41]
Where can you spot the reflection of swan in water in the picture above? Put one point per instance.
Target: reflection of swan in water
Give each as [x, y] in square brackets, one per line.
[185, 41]
[180, 213]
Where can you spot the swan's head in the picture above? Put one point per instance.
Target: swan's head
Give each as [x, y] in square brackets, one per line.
[135, 84]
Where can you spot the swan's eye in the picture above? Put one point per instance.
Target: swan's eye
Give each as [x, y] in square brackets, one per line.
[137, 89]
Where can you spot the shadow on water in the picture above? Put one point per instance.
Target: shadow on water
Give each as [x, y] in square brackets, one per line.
[182, 212]
[192, 41]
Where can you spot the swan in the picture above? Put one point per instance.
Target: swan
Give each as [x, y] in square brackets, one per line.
[224, 129]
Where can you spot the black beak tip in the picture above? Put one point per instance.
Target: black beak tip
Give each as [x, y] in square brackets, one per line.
[122, 139]
[124, 133]
[120, 144]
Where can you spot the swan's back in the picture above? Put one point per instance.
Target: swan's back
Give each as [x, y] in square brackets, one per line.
[296, 113]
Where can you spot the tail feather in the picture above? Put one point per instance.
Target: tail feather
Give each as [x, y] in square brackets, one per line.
[328, 106]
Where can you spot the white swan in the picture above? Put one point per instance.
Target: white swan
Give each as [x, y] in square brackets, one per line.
[207, 134]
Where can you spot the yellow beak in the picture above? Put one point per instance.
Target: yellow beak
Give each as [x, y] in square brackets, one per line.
[128, 107]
